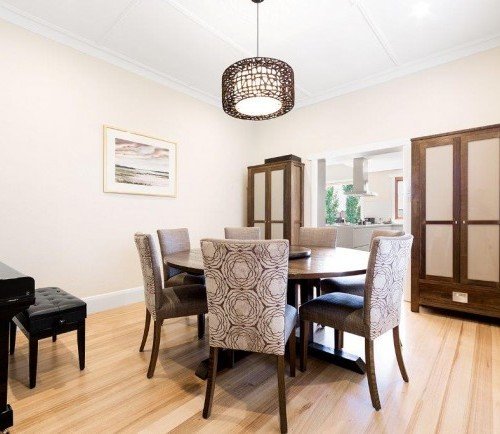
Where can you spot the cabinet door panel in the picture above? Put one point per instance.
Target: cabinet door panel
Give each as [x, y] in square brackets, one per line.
[259, 196]
[483, 183]
[439, 250]
[439, 182]
[277, 194]
[277, 231]
[483, 252]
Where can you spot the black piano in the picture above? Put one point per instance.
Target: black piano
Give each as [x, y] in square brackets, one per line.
[17, 293]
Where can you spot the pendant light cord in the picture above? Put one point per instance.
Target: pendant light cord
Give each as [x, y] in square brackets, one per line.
[257, 29]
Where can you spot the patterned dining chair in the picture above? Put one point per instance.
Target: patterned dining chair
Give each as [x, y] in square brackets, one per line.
[248, 233]
[163, 303]
[352, 284]
[174, 241]
[370, 316]
[246, 291]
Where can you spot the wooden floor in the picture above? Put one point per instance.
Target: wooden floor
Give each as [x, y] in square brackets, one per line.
[453, 365]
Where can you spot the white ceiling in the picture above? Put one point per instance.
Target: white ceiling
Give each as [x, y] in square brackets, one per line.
[334, 46]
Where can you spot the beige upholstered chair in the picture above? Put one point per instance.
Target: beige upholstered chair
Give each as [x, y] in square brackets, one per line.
[174, 241]
[372, 315]
[249, 233]
[318, 237]
[354, 284]
[246, 291]
[163, 303]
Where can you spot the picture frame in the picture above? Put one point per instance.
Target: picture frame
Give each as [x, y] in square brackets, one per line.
[136, 163]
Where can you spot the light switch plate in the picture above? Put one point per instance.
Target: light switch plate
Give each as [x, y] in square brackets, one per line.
[460, 297]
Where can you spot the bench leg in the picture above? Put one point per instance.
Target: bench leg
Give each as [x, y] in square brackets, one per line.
[54, 335]
[80, 335]
[12, 340]
[33, 344]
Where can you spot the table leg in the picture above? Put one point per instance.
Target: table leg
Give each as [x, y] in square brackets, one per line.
[227, 359]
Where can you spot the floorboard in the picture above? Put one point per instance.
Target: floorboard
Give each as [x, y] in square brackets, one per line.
[453, 364]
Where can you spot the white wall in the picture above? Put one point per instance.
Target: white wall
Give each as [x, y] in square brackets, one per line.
[461, 94]
[381, 205]
[56, 223]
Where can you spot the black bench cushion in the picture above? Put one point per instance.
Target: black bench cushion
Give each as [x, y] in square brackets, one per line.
[52, 306]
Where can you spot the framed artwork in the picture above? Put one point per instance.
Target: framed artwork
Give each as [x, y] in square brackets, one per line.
[139, 164]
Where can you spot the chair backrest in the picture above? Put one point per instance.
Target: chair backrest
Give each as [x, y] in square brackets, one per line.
[385, 275]
[250, 233]
[151, 271]
[385, 233]
[318, 237]
[172, 241]
[246, 290]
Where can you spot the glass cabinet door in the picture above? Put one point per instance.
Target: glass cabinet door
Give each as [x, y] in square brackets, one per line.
[480, 214]
[440, 227]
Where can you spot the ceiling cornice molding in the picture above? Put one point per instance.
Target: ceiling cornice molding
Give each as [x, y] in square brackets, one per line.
[60, 35]
[55, 33]
[403, 70]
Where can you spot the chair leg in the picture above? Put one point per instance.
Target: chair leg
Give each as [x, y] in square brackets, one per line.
[54, 335]
[201, 326]
[146, 331]
[399, 355]
[80, 337]
[370, 373]
[12, 340]
[156, 348]
[293, 352]
[212, 373]
[339, 339]
[304, 331]
[33, 360]
[281, 393]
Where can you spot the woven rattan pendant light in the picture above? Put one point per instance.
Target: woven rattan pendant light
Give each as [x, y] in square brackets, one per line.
[258, 88]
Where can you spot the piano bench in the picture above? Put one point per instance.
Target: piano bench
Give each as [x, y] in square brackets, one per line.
[55, 311]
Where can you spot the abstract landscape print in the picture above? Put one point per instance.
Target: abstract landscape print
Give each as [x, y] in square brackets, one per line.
[138, 164]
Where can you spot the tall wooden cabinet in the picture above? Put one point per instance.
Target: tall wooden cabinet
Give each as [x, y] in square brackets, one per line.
[456, 221]
[276, 198]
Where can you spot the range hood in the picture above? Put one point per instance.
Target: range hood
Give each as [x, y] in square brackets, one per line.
[360, 178]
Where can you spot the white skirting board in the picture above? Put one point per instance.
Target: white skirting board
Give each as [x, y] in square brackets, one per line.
[110, 300]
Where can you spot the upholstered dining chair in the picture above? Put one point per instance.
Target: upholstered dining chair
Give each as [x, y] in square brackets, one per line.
[246, 291]
[314, 237]
[370, 316]
[352, 284]
[163, 303]
[174, 241]
[317, 237]
[248, 233]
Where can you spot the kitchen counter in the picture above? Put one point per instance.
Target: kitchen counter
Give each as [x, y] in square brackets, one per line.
[359, 236]
[374, 225]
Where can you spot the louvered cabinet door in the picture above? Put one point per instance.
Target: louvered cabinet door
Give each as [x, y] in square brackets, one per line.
[480, 208]
[440, 210]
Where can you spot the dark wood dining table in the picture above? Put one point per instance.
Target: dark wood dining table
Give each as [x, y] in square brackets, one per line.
[303, 275]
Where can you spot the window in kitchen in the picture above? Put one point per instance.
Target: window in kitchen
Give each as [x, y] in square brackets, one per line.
[340, 206]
